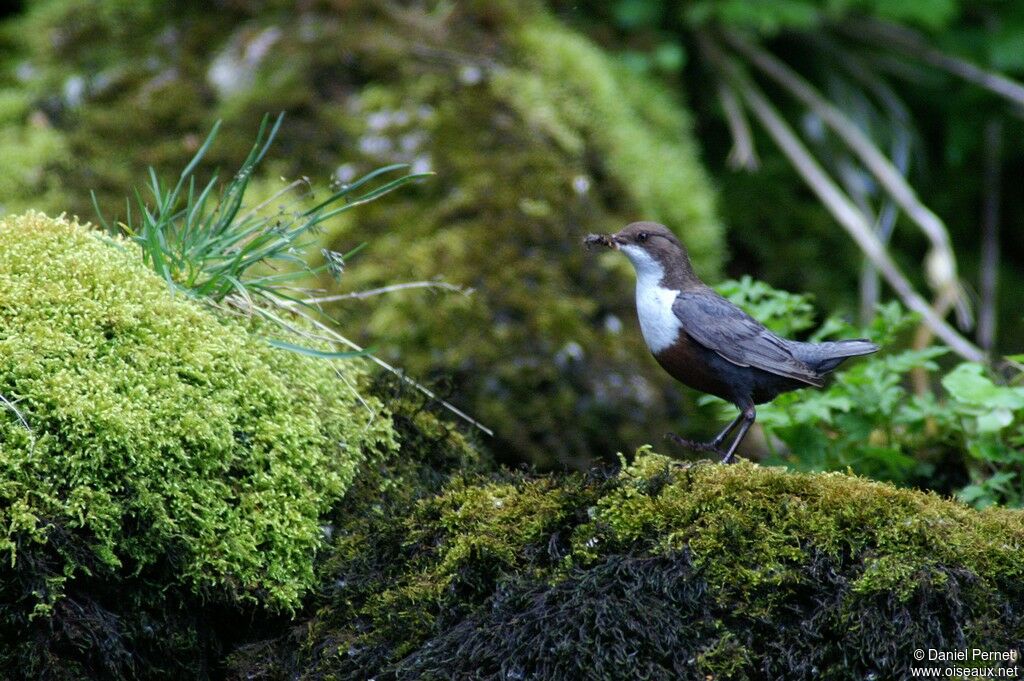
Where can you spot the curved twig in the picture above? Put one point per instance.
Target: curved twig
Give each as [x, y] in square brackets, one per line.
[338, 338]
[358, 295]
[743, 155]
[909, 42]
[835, 200]
[942, 261]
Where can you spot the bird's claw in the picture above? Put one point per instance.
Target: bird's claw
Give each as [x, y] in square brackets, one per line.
[692, 444]
[727, 457]
[686, 465]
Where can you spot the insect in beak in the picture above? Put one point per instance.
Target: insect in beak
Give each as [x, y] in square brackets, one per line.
[606, 240]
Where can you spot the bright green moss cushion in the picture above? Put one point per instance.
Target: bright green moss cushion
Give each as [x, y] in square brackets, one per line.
[159, 430]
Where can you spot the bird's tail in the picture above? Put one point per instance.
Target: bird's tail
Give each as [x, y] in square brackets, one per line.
[824, 357]
[848, 348]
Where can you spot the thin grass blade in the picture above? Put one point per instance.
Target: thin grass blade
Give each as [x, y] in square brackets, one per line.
[322, 354]
[370, 196]
[349, 188]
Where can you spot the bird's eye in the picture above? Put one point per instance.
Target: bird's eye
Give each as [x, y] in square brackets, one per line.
[641, 237]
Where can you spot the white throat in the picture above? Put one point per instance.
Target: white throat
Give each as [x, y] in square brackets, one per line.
[658, 323]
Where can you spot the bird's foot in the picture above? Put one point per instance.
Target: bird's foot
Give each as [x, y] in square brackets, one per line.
[688, 464]
[727, 457]
[692, 444]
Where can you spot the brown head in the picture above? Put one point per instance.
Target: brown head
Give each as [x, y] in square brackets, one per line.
[656, 253]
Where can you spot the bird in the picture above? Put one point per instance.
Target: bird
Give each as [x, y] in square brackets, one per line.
[707, 343]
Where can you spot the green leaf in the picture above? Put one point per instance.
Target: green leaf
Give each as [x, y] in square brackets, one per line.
[782, 312]
[967, 383]
[632, 14]
[670, 57]
[931, 14]
[1004, 49]
[913, 359]
[972, 493]
[991, 449]
[994, 421]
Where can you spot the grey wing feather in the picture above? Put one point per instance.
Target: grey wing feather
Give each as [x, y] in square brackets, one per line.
[718, 325]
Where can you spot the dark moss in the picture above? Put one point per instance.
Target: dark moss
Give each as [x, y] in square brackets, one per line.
[659, 572]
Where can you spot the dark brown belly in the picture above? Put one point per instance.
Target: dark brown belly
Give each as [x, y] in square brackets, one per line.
[694, 365]
[697, 367]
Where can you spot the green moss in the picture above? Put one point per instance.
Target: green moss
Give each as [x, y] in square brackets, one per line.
[584, 99]
[155, 438]
[769, 521]
[663, 572]
[30, 147]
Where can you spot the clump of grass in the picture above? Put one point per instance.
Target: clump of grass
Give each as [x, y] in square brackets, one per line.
[204, 242]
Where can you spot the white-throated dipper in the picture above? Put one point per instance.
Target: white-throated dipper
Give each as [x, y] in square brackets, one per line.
[706, 342]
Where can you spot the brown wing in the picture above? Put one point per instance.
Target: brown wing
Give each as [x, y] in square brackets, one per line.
[718, 325]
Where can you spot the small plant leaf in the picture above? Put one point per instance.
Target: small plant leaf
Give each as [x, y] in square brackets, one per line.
[967, 383]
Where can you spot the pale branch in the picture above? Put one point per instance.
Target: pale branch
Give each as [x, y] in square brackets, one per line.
[870, 288]
[440, 285]
[912, 44]
[941, 264]
[990, 236]
[883, 92]
[901, 157]
[743, 155]
[900, 153]
[869, 283]
[834, 200]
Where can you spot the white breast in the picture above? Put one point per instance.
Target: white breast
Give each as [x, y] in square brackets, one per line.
[658, 323]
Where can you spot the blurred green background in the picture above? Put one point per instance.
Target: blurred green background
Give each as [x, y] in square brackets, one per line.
[546, 121]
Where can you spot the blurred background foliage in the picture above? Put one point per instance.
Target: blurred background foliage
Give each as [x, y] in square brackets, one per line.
[546, 121]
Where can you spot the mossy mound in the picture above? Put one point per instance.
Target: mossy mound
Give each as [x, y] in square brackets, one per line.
[150, 442]
[537, 137]
[660, 572]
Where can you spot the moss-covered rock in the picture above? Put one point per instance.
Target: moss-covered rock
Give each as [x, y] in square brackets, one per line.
[660, 572]
[147, 441]
[537, 137]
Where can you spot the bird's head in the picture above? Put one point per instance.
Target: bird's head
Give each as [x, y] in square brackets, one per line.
[652, 248]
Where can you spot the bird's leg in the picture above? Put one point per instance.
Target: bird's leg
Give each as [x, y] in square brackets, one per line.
[713, 445]
[748, 415]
